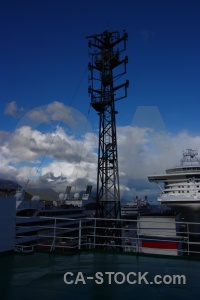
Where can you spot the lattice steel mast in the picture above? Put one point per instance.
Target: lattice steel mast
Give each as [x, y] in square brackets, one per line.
[106, 67]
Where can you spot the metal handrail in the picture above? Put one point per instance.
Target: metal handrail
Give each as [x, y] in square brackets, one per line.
[86, 235]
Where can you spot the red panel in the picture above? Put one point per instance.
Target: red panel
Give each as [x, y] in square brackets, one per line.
[159, 245]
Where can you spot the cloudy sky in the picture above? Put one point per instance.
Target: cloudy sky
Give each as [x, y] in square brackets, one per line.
[48, 130]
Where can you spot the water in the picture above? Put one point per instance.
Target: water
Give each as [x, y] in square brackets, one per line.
[40, 276]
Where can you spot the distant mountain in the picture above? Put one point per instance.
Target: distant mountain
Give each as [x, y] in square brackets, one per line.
[8, 187]
[8, 184]
[47, 194]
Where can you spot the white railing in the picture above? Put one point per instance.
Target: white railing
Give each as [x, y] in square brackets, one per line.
[149, 236]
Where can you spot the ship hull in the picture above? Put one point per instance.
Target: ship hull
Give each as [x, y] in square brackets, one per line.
[181, 204]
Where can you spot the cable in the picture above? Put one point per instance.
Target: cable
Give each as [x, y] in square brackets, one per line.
[81, 152]
[58, 127]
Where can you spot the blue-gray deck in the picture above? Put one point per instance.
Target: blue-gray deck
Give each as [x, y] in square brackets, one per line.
[40, 276]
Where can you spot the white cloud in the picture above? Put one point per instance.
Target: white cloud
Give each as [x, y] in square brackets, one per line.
[38, 115]
[13, 110]
[55, 111]
[58, 111]
[56, 114]
[70, 157]
[143, 151]
[61, 154]
[26, 144]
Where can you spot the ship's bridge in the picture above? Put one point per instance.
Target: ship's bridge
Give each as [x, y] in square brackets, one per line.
[176, 176]
[189, 168]
[184, 169]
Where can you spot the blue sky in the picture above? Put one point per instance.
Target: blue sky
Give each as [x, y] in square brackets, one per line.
[44, 57]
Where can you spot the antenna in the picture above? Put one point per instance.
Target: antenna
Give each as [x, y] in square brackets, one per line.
[106, 68]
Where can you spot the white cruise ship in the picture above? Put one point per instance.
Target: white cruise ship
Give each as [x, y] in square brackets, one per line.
[181, 189]
[135, 208]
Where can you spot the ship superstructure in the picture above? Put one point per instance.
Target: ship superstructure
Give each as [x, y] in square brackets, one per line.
[181, 189]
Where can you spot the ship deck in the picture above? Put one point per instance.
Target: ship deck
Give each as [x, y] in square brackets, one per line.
[40, 276]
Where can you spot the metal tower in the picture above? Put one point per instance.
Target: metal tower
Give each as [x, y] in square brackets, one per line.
[106, 68]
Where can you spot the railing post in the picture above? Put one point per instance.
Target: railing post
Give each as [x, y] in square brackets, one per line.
[79, 238]
[54, 237]
[138, 235]
[188, 239]
[95, 224]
